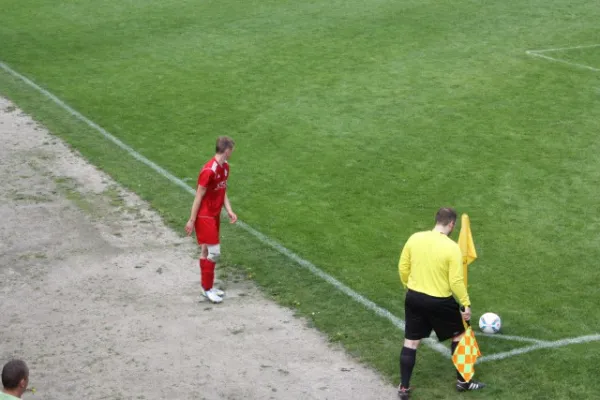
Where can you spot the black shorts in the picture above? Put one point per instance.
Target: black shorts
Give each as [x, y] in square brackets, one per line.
[425, 313]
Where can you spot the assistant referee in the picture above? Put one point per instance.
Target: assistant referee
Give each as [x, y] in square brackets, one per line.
[431, 269]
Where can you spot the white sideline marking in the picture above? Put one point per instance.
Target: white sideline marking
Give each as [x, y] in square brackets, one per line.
[513, 338]
[537, 53]
[534, 54]
[539, 346]
[399, 323]
[587, 46]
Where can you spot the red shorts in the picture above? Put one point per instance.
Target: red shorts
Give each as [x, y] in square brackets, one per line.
[207, 230]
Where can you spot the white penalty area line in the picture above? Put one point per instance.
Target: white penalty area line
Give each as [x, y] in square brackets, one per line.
[538, 53]
[539, 346]
[399, 323]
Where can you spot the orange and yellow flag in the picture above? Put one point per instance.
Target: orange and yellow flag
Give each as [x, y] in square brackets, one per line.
[466, 354]
[466, 244]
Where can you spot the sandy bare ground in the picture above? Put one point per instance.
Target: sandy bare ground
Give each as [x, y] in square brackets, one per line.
[102, 300]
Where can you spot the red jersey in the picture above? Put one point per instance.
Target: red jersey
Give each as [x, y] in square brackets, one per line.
[214, 178]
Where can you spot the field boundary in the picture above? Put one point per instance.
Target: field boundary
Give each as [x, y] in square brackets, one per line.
[538, 53]
[380, 311]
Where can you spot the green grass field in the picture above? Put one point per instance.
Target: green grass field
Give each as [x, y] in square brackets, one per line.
[354, 122]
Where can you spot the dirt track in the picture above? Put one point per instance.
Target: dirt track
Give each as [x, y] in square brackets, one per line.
[102, 300]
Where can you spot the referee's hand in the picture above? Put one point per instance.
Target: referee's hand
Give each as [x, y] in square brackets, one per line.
[466, 313]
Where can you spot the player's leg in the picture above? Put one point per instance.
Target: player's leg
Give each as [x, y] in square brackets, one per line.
[203, 255]
[205, 231]
[213, 255]
[208, 274]
[214, 251]
[417, 327]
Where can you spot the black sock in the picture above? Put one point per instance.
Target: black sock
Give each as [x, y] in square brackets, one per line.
[408, 357]
[458, 375]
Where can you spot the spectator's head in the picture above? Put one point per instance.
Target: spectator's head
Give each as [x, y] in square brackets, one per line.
[15, 377]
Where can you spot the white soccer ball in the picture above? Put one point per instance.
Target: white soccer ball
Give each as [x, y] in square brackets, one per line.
[490, 323]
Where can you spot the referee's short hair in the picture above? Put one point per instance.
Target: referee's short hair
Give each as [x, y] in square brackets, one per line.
[13, 373]
[445, 215]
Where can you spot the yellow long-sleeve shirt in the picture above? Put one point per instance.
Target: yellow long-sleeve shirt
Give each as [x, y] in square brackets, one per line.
[431, 263]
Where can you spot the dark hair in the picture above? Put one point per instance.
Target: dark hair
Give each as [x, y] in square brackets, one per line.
[13, 373]
[224, 143]
[445, 215]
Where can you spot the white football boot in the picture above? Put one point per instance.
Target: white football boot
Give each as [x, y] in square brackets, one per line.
[212, 295]
[218, 292]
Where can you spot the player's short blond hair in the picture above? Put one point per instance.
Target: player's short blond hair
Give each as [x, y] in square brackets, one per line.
[224, 143]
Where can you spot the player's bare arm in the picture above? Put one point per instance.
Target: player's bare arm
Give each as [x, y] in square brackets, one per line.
[232, 216]
[189, 227]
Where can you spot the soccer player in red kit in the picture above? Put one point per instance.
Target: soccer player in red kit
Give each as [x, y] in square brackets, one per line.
[211, 196]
